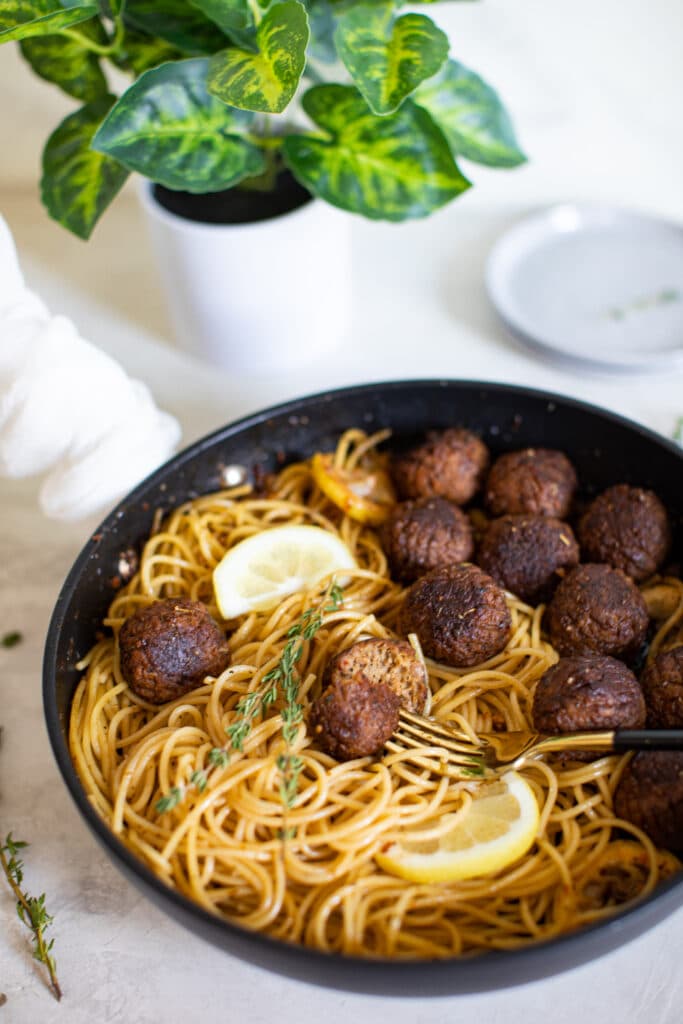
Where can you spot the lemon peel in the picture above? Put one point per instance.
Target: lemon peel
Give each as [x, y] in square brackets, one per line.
[494, 830]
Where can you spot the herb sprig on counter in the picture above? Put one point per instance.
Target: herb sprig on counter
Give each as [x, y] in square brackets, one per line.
[30, 909]
[281, 679]
[11, 639]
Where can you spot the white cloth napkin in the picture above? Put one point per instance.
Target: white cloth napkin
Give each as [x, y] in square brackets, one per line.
[67, 409]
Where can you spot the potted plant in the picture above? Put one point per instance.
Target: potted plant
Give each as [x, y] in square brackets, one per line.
[249, 113]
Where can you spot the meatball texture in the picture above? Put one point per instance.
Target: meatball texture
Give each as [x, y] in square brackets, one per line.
[591, 692]
[354, 718]
[423, 535]
[391, 662]
[459, 615]
[662, 683]
[535, 481]
[169, 647]
[627, 528]
[448, 464]
[650, 795]
[528, 554]
[597, 609]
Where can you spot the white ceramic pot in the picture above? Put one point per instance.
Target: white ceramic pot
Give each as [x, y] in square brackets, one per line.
[259, 297]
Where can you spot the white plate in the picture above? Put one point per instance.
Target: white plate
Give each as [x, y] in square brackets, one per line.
[593, 285]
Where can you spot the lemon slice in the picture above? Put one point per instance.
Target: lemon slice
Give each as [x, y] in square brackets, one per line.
[364, 495]
[497, 828]
[258, 572]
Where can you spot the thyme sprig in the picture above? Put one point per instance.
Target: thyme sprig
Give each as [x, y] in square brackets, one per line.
[30, 909]
[281, 679]
[286, 679]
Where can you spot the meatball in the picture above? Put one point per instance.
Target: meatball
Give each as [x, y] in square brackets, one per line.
[459, 615]
[425, 534]
[449, 464]
[650, 795]
[392, 662]
[536, 482]
[169, 647]
[528, 554]
[627, 528]
[662, 683]
[354, 718]
[597, 609]
[591, 692]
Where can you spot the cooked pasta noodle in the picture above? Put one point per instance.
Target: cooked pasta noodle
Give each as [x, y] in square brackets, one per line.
[307, 874]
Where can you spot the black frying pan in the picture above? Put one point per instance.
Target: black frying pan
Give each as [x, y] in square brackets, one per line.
[605, 449]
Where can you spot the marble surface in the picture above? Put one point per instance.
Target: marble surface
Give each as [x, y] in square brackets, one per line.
[419, 311]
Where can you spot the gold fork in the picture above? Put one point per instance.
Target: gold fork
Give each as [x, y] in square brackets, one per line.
[447, 751]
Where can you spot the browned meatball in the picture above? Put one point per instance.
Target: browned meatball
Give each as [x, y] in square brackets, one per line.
[597, 609]
[169, 647]
[627, 528]
[591, 692]
[425, 534]
[662, 683]
[354, 718]
[392, 662]
[528, 554]
[650, 795]
[459, 615]
[535, 481]
[449, 464]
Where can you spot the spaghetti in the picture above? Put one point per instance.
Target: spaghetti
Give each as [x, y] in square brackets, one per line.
[306, 873]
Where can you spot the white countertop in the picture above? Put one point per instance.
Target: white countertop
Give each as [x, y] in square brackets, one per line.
[419, 311]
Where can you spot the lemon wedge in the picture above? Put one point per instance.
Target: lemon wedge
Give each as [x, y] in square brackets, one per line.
[497, 828]
[364, 495]
[258, 572]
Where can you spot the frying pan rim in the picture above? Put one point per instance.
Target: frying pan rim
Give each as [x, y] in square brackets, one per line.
[381, 976]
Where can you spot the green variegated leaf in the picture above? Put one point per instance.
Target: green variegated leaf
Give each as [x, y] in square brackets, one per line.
[176, 21]
[139, 52]
[21, 19]
[386, 168]
[78, 184]
[168, 127]
[67, 63]
[233, 17]
[386, 56]
[471, 116]
[266, 80]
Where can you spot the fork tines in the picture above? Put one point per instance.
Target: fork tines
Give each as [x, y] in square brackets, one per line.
[441, 749]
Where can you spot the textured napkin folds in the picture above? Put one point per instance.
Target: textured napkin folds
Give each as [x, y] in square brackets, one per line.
[67, 409]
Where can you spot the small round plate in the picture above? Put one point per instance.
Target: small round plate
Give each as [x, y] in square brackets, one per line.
[593, 285]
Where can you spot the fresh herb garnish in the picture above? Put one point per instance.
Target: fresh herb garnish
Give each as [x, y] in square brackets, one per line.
[11, 639]
[281, 679]
[678, 430]
[283, 676]
[30, 909]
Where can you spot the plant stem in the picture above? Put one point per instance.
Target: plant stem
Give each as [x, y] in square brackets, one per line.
[31, 911]
[256, 11]
[101, 49]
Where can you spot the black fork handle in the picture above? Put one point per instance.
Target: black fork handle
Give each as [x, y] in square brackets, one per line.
[647, 739]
